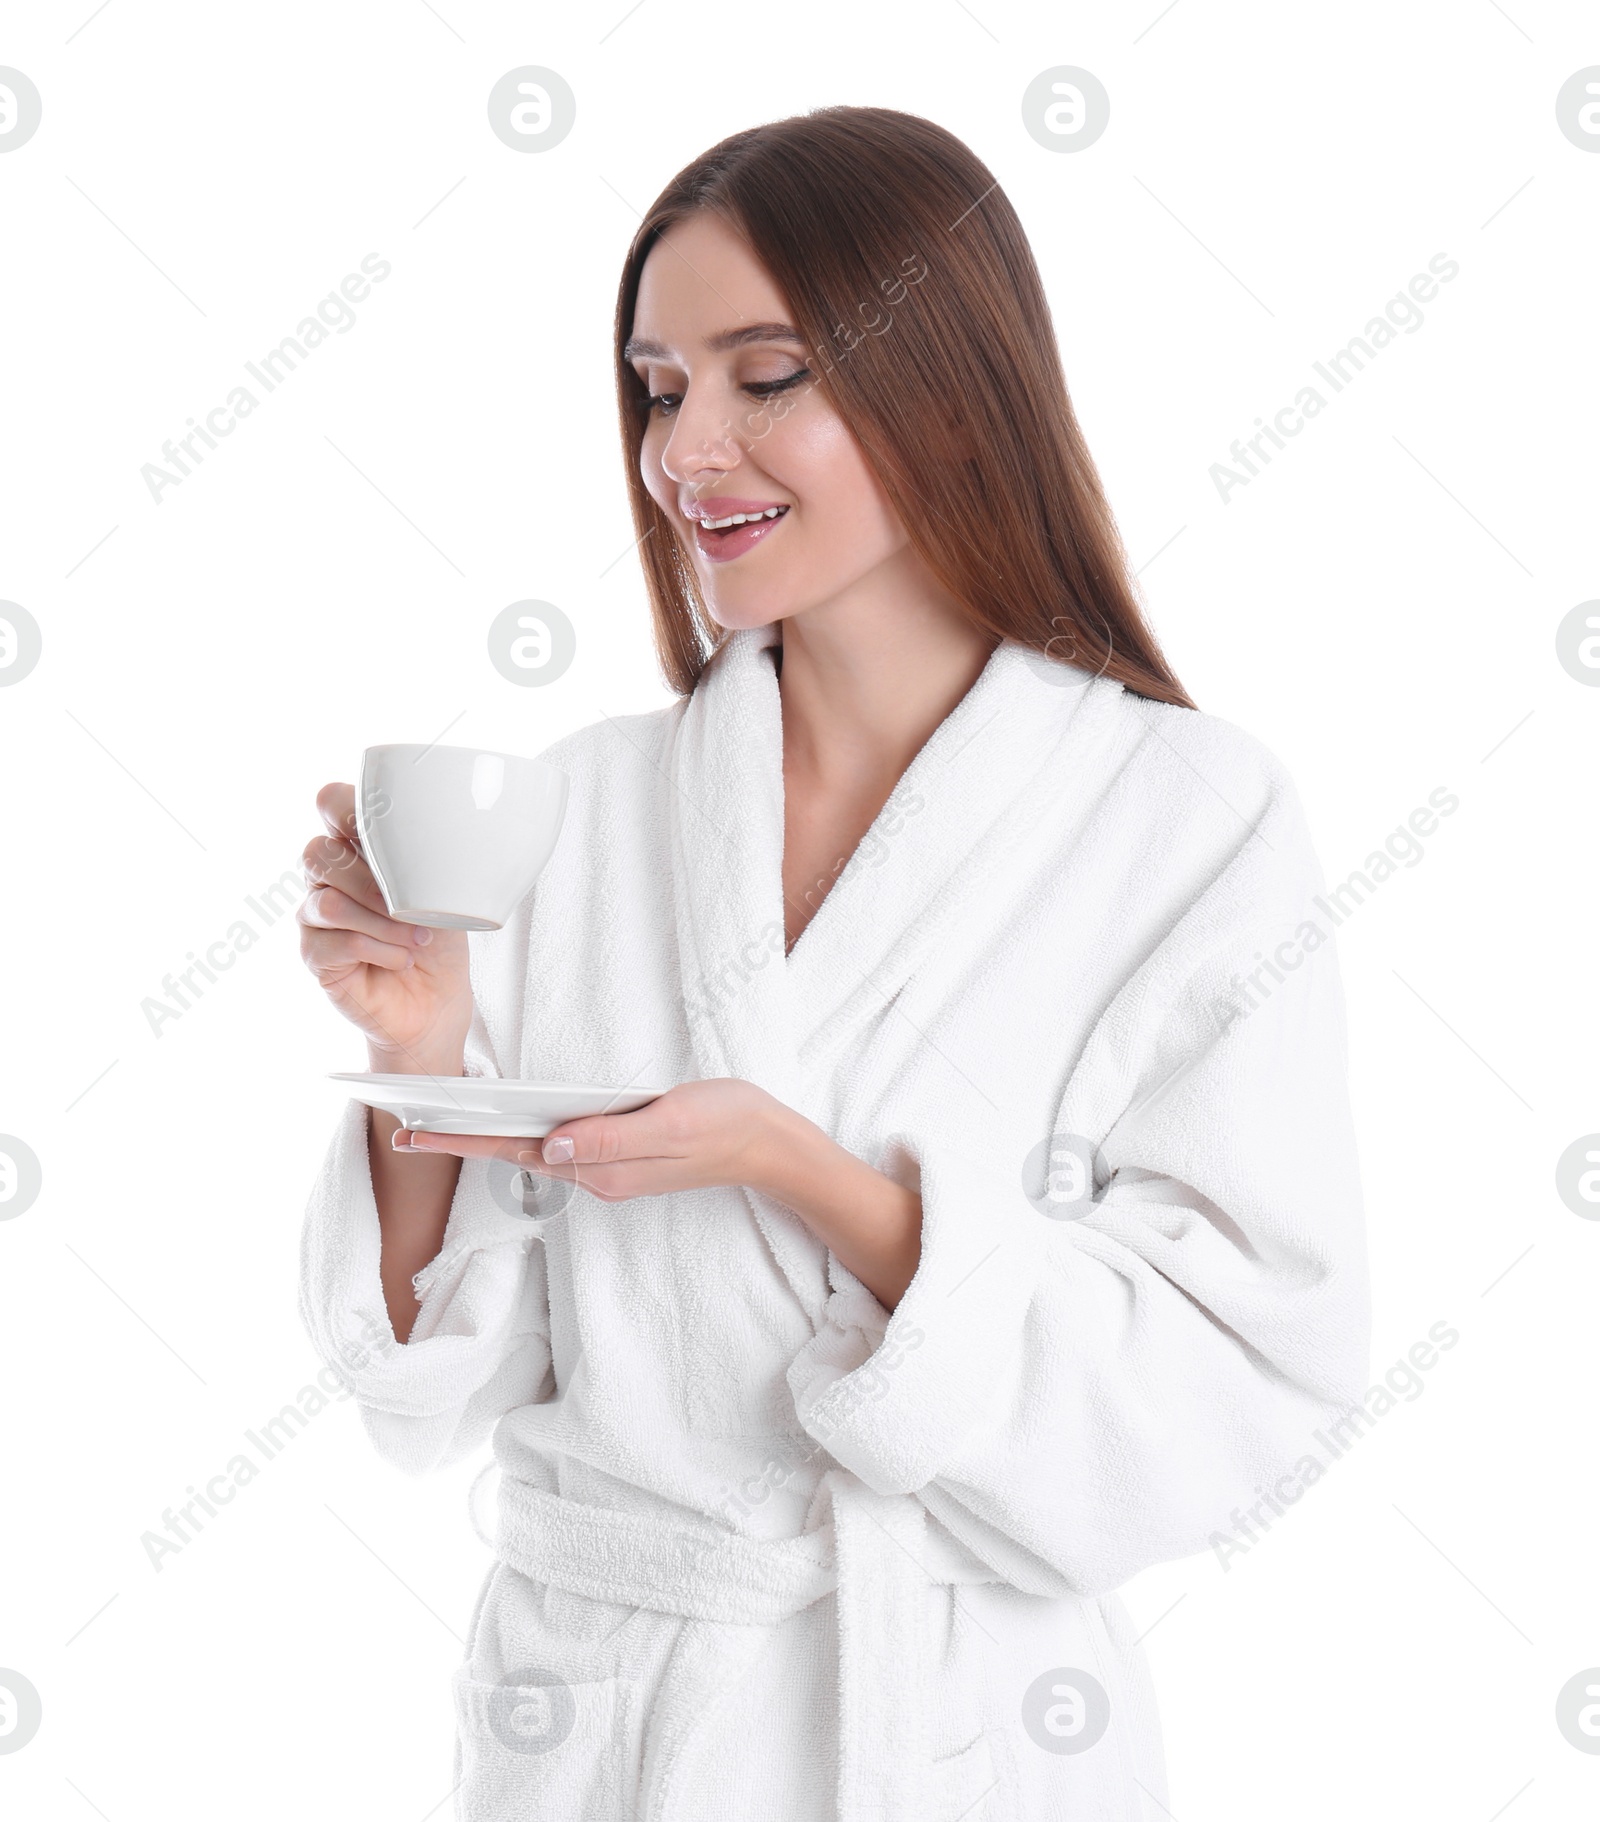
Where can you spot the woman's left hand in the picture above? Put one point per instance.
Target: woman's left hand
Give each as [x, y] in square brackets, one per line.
[704, 1135]
[699, 1135]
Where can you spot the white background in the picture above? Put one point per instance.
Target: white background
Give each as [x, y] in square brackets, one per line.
[1379, 606]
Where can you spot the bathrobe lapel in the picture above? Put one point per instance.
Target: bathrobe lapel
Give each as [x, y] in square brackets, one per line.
[726, 840]
[938, 866]
[957, 821]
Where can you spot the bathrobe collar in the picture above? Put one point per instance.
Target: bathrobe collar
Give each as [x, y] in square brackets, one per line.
[962, 810]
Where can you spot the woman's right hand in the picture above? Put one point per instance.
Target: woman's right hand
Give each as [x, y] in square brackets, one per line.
[404, 986]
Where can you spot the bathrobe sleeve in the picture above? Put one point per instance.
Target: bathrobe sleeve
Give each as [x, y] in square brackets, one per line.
[1077, 1398]
[480, 1345]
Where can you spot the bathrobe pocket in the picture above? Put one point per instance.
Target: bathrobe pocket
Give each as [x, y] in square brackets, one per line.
[965, 1787]
[572, 1747]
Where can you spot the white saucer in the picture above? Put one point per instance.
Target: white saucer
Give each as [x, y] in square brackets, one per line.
[489, 1106]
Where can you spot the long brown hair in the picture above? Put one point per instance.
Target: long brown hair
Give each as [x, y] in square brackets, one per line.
[910, 277]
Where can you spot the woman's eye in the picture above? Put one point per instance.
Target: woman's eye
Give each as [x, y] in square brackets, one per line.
[667, 402]
[764, 389]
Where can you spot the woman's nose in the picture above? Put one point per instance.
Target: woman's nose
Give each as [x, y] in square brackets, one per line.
[702, 437]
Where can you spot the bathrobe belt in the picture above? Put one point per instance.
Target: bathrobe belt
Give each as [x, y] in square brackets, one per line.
[876, 1553]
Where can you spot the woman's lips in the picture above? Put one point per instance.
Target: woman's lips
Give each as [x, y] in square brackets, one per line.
[725, 546]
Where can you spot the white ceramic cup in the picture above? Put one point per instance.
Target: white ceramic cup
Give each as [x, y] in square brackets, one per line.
[455, 837]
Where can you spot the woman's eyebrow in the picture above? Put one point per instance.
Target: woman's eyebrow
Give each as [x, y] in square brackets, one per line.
[641, 347]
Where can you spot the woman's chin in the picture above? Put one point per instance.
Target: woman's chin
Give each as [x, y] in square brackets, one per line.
[737, 615]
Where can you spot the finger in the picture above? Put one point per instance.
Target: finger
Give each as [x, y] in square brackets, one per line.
[331, 860]
[337, 802]
[608, 1138]
[330, 908]
[616, 1182]
[457, 1144]
[643, 1176]
[536, 1160]
[331, 953]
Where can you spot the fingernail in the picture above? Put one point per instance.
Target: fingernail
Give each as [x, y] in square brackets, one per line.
[420, 933]
[529, 1157]
[557, 1151]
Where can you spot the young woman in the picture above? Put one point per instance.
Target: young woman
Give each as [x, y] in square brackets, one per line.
[1002, 1235]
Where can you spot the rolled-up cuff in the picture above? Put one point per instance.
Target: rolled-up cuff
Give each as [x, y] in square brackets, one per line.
[471, 1306]
[891, 1396]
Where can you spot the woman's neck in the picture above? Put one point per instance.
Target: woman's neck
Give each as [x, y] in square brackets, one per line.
[858, 709]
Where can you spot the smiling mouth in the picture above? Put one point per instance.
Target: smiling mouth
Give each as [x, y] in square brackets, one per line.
[730, 541]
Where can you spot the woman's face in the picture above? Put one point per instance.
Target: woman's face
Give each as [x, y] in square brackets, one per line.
[739, 424]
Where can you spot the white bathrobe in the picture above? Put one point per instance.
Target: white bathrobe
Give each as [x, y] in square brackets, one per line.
[765, 1549]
